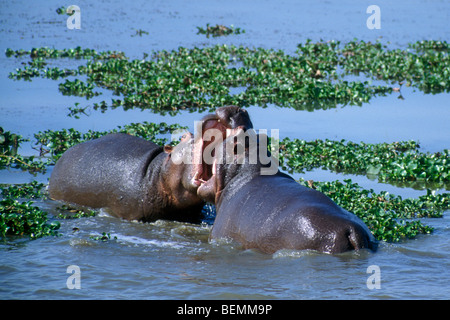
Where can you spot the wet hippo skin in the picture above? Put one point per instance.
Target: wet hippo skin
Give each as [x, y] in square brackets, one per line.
[273, 212]
[132, 178]
[136, 179]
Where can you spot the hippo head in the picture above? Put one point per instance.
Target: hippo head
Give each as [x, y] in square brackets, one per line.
[178, 172]
[214, 128]
[185, 169]
[228, 117]
[214, 131]
[237, 159]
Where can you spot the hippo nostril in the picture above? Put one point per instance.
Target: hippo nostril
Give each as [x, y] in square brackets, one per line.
[357, 239]
[352, 241]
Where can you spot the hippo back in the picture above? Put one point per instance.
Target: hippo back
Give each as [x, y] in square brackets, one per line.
[105, 172]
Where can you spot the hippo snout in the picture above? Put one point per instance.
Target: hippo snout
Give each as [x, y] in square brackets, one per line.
[353, 237]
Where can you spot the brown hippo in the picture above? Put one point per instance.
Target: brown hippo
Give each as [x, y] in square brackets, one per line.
[136, 179]
[273, 212]
[130, 177]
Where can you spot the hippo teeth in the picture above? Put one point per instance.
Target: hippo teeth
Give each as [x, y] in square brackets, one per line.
[197, 178]
[202, 176]
[214, 168]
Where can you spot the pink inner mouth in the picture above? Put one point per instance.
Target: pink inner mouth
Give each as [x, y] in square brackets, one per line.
[203, 172]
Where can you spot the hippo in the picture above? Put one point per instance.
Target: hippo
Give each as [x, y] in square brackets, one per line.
[135, 179]
[130, 177]
[273, 212]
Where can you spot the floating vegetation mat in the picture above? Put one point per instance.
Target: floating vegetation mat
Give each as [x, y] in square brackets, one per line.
[219, 30]
[389, 162]
[316, 77]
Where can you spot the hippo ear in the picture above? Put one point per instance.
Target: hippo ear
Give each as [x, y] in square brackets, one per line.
[168, 148]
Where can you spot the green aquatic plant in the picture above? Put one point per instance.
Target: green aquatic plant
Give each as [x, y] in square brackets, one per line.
[9, 142]
[22, 218]
[61, 10]
[69, 212]
[36, 67]
[64, 11]
[103, 237]
[76, 53]
[219, 30]
[318, 75]
[140, 32]
[78, 88]
[32, 190]
[398, 161]
[18, 215]
[425, 65]
[9, 158]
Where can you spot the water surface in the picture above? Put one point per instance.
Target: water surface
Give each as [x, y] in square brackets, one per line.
[169, 260]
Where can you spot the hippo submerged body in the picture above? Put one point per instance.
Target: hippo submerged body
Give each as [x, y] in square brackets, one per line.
[276, 212]
[131, 177]
[136, 179]
[273, 212]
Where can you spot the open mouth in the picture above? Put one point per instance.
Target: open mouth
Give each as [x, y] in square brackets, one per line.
[204, 172]
[205, 165]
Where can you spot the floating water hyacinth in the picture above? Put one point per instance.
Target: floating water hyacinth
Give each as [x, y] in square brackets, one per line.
[200, 78]
[398, 161]
[219, 30]
[22, 218]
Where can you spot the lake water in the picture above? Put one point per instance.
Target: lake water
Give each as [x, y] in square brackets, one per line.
[169, 260]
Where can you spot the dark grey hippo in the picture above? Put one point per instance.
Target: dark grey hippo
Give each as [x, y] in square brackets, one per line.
[273, 212]
[132, 178]
[136, 179]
